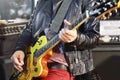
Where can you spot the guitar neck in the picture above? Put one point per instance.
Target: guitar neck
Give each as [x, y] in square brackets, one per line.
[52, 43]
[56, 40]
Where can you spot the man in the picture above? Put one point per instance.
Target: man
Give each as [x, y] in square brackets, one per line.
[72, 58]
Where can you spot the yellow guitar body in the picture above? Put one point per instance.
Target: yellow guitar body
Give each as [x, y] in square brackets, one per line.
[36, 67]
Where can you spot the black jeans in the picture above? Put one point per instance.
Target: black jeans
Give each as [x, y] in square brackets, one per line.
[88, 76]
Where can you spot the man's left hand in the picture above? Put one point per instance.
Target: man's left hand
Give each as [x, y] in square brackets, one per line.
[67, 35]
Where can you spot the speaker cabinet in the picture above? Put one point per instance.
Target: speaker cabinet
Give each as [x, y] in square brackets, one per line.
[5, 67]
[7, 44]
[107, 64]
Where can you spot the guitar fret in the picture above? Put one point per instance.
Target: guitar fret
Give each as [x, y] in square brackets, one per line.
[78, 21]
[47, 47]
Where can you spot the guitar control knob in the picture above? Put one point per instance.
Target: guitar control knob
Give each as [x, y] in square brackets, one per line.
[36, 69]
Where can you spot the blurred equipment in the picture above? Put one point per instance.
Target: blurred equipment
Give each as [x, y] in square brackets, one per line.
[9, 34]
[14, 15]
[3, 22]
[5, 67]
[11, 9]
[12, 28]
[107, 55]
[107, 61]
[110, 31]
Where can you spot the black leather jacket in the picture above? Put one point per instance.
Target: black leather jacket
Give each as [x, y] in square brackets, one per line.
[78, 54]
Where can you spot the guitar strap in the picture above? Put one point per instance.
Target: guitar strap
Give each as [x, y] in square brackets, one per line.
[55, 26]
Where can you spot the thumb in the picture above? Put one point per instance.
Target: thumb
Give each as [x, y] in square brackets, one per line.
[67, 23]
[22, 60]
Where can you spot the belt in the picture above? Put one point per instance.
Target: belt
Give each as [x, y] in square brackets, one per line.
[57, 66]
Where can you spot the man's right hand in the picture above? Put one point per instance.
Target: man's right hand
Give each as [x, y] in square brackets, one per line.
[18, 60]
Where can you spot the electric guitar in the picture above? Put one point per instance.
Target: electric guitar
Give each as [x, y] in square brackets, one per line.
[40, 53]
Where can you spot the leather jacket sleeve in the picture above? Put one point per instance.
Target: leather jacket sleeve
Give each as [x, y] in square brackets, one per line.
[88, 34]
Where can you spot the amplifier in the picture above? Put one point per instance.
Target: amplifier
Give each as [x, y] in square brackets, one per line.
[110, 32]
[6, 67]
[109, 39]
[12, 28]
[8, 37]
[7, 44]
[107, 61]
[110, 27]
